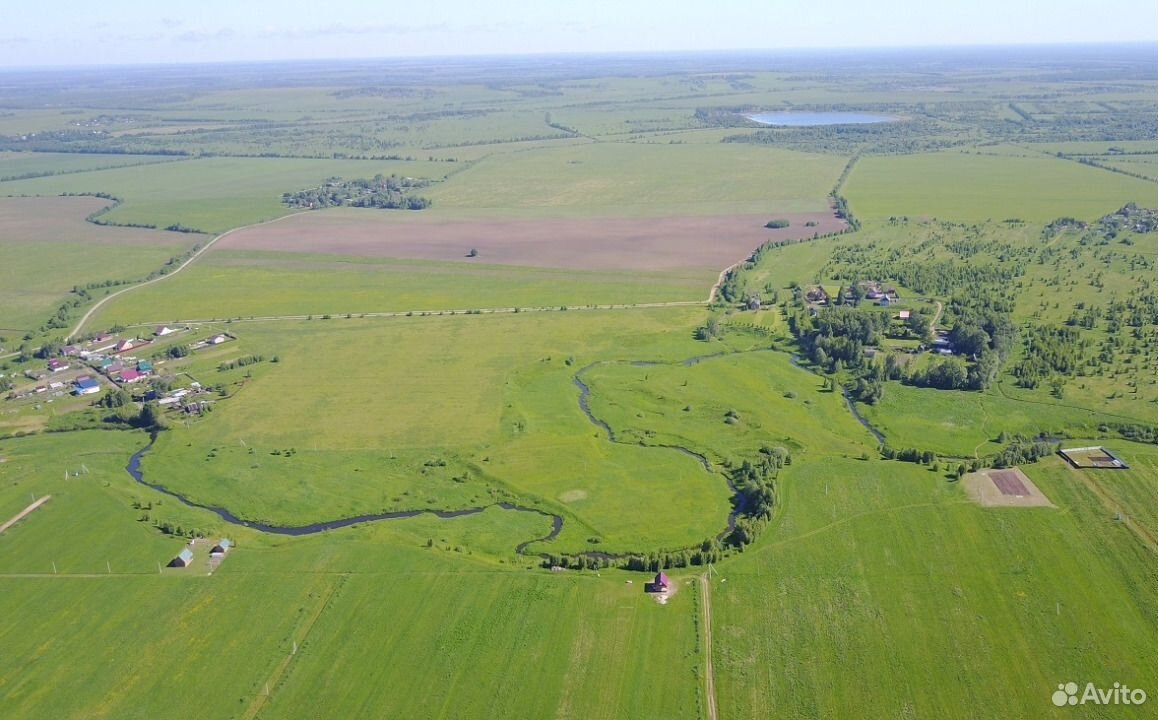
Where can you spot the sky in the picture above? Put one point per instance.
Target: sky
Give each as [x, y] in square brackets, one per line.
[180, 31]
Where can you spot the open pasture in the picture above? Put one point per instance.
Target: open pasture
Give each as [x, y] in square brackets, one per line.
[47, 248]
[16, 165]
[980, 612]
[517, 428]
[212, 194]
[969, 188]
[243, 284]
[649, 244]
[643, 180]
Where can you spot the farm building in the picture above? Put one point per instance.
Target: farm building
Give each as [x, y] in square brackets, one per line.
[163, 330]
[183, 559]
[218, 339]
[223, 546]
[86, 385]
[660, 584]
[123, 346]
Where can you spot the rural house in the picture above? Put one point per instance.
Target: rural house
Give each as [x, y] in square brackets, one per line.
[221, 548]
[660, 584]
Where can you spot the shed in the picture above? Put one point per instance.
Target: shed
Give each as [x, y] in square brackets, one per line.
[221, 547]
[183, 559]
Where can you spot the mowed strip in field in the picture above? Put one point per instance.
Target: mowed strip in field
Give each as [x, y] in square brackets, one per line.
[606, 243]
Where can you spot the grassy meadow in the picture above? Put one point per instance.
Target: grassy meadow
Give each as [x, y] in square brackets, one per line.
[211, 194]
[242, 284]
[46, 249]
[877, 588]
[820, 620]
[970, 188]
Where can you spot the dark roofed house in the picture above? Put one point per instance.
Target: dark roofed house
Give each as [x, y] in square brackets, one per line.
[183, 559]
[659, 585]
[221, 548]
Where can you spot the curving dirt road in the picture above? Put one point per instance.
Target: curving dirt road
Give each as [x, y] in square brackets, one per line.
[81, 323]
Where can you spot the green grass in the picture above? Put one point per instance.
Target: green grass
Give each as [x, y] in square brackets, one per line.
[17, 164]
[554, 646]
[883, 592]
[777, 404]
[46, 248]
[231, 284]
[515, 427]
[213, 194]
[952, 186]
[963, 423]
[645, 180]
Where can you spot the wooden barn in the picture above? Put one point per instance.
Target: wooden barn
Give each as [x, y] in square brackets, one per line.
[183, 559]
[220, 548]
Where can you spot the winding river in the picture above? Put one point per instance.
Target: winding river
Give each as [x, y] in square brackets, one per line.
[134, 470]
[584, 399]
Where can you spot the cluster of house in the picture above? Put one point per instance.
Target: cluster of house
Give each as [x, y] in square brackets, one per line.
[873, 291]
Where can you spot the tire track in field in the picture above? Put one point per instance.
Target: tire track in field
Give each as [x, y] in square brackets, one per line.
[709, 672]
[279, 672]
[1113, 505]
[25, 512]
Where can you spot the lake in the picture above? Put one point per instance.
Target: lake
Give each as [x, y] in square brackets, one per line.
[804, 119]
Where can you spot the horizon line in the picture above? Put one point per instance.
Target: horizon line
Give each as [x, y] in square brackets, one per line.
[793, 50]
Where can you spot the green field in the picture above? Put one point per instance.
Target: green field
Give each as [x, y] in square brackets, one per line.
[237, 284]
[941, 607]
[645, 180]
[211, 194]
[970, 188]
[40, 263]
[712, 439]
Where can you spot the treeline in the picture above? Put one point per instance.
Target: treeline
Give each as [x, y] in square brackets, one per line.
[383, 192]
[240, 362]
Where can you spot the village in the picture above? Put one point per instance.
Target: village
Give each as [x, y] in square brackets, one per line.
[118, 361]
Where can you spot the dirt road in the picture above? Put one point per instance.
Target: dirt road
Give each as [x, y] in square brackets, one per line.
[709, 673]
[20, 515]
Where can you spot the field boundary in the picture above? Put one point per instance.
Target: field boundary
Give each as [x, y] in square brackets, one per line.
[24, 513]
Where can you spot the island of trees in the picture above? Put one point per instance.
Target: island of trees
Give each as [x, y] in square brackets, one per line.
[384, 192]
